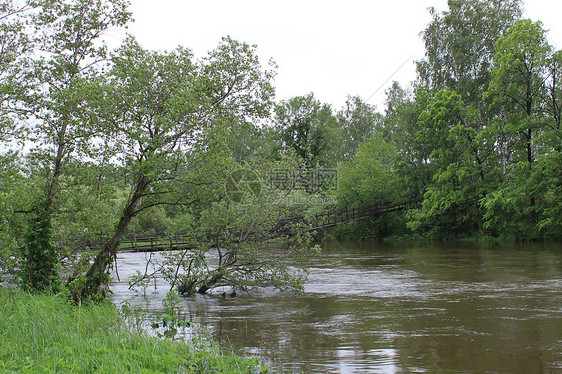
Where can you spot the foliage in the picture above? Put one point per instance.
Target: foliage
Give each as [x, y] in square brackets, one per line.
[401, 122]
[519, 74]
[15, 45]
[369, 178]
[524, 84]
[40, 271]
[509, 213]
[10, 224]
[68, 53]
[459, 174]
[170, 103]
[58, 72]
[305, 125]
[486, 119]
[460, 45]
[241, 238]
[547, 182]
[357, 122]
[171, 318]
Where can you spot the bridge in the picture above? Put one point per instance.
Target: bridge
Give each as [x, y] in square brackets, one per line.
[167, 242]
[347, 215]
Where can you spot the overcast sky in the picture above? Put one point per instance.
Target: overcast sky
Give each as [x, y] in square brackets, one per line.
[331, 48]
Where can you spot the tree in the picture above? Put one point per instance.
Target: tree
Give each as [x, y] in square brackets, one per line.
[243, 239]
[244, 139]
[519, 75]
[526, 130]
[357, 122]
[306, 126]
[554, 100]
[459, 178]
[414, 148]
[395, 124]
[68, 50]
[369, 178]
[460, 44]
[158, 106]
[546, 182]
[14, 46]
[452, 142]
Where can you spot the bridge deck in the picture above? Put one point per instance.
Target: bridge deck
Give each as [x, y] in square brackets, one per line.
[155, 243]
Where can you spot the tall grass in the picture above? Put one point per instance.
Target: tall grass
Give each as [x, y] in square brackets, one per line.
[46, 334]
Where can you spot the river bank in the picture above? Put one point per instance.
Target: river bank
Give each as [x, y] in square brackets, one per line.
[46, 334]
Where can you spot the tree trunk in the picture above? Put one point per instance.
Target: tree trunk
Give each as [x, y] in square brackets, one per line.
[96, 276]
[210, 283]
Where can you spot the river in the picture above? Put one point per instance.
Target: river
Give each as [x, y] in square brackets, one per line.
[382, 308]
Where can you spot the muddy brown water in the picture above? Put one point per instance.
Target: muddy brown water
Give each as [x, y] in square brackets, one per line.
[381, 308]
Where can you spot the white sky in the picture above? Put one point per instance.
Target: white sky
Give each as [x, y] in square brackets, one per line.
[331, 48]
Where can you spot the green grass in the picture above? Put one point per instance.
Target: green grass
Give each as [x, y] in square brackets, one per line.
[46, 334]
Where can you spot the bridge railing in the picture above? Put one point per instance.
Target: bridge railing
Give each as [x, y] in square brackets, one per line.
[347, 215]
[160, 242]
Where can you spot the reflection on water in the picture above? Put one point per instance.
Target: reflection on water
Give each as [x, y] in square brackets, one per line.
[373, 308]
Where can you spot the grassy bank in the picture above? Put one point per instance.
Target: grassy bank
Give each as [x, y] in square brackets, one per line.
[45, 334]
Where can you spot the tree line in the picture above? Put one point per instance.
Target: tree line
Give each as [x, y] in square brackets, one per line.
[99, 144]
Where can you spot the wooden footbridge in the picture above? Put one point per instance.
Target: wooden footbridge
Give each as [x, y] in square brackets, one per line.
[164, 242]
[317, 222]
[347, 215]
